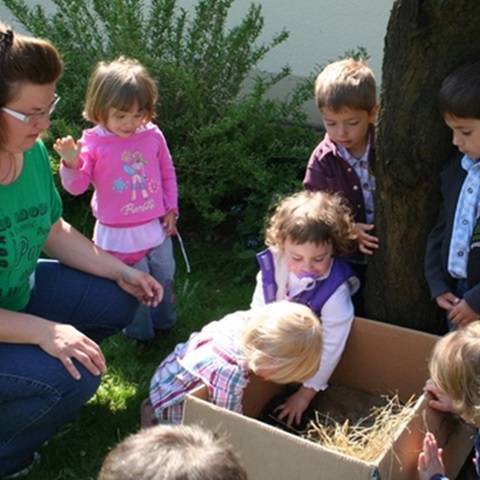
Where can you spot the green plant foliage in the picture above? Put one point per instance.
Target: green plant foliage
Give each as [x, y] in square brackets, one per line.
[232, 150]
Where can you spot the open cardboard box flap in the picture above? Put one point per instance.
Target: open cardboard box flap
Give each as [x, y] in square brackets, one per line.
[378, 358]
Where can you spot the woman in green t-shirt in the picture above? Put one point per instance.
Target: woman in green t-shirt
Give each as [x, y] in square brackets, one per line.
[52, 312]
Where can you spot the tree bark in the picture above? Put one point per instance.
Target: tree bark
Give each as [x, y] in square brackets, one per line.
[425, 41]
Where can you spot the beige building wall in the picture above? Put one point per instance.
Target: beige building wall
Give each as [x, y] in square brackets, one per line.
[320, 31]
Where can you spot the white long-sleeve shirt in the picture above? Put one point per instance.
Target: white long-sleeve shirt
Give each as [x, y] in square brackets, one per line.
[336, 316]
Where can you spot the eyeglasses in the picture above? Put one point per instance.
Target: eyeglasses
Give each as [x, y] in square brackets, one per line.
[34, 116]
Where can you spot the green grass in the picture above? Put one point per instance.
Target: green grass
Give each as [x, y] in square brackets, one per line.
[213, 289]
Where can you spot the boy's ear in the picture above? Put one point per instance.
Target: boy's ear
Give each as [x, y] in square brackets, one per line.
[373, 114]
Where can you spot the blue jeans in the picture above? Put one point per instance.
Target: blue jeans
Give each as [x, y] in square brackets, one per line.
[37, 395]
[160, 264]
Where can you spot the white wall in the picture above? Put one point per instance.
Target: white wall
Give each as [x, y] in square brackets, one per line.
[320, 31]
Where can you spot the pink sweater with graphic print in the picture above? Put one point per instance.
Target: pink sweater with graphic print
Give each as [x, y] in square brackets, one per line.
[133, 177]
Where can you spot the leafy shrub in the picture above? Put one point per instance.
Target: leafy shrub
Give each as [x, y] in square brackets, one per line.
[233, 151]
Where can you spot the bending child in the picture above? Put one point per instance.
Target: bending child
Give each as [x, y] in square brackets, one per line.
[171, 453]
[126, 159]
[343, 162]
[305, 236]
[280, 342]
[455, 387]
[452, 260]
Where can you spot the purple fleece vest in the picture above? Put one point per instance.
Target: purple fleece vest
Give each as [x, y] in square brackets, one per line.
[314, 298]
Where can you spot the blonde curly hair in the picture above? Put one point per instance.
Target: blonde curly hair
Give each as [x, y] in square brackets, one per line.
[455, 369]
[316, 217]
[284, 339]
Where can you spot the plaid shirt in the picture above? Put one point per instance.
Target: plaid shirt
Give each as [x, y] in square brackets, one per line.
[212, 357]
[466, 214]
[360, 165]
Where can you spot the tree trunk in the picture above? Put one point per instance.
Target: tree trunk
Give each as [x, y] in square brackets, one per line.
[426, 40]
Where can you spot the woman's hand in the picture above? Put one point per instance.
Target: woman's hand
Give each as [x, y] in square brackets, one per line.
[67, 343]
[73, 249]
[367, 243]
[296, 404]
[69, 150]
[141, 285]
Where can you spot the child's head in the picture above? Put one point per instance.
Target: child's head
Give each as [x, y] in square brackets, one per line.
[310, 227]
[345, 93]
[121, 96]
[172, 453]
[283, 342]
[459, 103]
[455, 369]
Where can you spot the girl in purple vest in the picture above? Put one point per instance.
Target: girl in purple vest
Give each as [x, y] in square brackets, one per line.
[306, 234]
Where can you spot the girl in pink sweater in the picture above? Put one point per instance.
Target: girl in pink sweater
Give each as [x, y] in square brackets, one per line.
[125, 158]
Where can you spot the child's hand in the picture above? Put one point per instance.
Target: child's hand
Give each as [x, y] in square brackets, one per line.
[296, 404]
[430, 459]
[447, 301]
[170, 222]
[366, 243]
[440, 400]
[69, 150]
[461, 314]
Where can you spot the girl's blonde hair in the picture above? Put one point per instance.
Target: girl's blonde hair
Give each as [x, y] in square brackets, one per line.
[316, 217]
[455, 369]
[121, 84]
[285, 340]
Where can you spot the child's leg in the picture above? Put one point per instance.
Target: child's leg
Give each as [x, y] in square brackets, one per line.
[141, 327]
[162, 268]
[169, 385]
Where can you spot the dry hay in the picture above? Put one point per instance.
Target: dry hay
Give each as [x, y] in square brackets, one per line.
[366, 439]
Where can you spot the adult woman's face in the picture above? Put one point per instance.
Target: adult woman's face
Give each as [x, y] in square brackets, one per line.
[32, 100]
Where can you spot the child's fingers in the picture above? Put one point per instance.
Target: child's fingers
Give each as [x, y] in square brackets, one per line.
[421, 464]
[371, 238]
[365, 250]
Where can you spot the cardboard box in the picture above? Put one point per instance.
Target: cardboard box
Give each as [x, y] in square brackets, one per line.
[379, 358]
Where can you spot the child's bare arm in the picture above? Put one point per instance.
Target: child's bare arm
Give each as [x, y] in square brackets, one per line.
[296, 404]
[69, 150]
[366, 243]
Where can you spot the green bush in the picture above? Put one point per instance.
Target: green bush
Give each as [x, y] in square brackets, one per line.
[232, 150]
